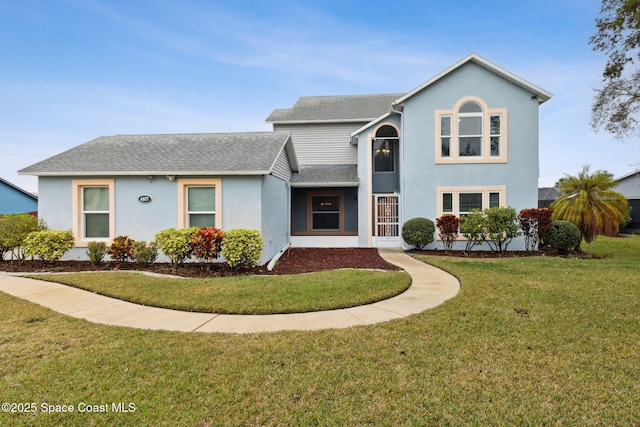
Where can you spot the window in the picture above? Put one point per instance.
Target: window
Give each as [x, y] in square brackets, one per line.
[325, 213]
[385, 147]
[470, 129]
[478, 136]
[95, 212]
[201, 206]
[445, 136]
[93, 202]
[460, 201]
[468, 202]
[495, 134]
[200, 202]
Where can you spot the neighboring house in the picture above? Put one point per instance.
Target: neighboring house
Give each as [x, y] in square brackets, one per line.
[547, 195]
[14, 199]
[629, 187]
[336, 170]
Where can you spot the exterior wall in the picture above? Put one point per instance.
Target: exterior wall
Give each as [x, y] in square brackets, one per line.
[13, 201]
[322, 144]
[275, 216]
[629, 187]
[242, 207]
[365, 168]
[422, 176]
[299, 212]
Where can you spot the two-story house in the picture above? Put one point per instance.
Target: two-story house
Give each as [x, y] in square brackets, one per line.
[336, 170]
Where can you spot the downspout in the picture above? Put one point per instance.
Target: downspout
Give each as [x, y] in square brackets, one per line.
[401, 143]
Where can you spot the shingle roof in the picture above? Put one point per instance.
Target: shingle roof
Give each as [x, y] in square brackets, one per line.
[204, 153]
[326, 175]
[342, 108]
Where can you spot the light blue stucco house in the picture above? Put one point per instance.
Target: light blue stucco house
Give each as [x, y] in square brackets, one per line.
[337, 171]
[14, 200]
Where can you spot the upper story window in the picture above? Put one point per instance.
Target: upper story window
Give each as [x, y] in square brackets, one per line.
[471, 133]
[385, 149]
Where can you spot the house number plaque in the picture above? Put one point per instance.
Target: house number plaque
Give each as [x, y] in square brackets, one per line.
[145, 199]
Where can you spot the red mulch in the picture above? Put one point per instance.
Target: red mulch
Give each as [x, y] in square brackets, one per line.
[294, 261]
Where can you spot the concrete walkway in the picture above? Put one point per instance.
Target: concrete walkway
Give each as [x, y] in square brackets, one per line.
[430, 287]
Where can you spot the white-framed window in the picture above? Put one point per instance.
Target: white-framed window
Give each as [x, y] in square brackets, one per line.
[471, 132]
[201, 206]
[461, 201]
[445, 136]
[93, 210]
[199, 202]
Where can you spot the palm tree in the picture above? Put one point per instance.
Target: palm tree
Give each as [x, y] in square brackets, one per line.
[588, 201]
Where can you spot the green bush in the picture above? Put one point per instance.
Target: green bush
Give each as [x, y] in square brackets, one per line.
[242, 247]
[418, 232]
[563, 235]
[145, 254]
[500, 227]
[121, 249]
[14, 228]
[472, 229]
[48, 245]
[96, 251]
[176, 244]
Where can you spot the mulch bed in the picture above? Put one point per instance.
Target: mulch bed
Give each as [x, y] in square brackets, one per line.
[294, 261]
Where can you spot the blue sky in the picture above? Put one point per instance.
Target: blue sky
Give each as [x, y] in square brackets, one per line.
[73, 70]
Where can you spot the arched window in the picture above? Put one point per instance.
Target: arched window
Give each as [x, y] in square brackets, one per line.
[470, 129]
[471, 133]
[385, 148]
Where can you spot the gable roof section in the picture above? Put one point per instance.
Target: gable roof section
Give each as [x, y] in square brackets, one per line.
[326, 175]
[334, 109]
[629, 175]
[252, 153]
[15, 187]
[542, 94]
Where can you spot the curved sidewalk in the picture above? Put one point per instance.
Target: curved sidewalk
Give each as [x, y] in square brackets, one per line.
[430, 287]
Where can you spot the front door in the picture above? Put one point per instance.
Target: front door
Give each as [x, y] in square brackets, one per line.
[387, 220]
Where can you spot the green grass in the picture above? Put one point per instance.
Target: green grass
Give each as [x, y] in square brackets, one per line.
[298, 293]
[527, 341]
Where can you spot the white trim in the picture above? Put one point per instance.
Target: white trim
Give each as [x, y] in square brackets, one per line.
[324, 241]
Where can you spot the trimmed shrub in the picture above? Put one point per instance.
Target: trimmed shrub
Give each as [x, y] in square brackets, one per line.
[14, 228]
[472, 228]
[242, 247]
[534, 223]
[176, 244]
[448, 226]
[418, 232]
[564, 236]
[207, 243]
[96, 251]
[48, 245]
[121, 249]
[500, 227]
[145, 254]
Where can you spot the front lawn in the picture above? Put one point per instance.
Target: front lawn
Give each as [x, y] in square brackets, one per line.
[325, 290]
[527, 341]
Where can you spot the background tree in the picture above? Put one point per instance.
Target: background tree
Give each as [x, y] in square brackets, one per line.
[588, 201]
[618, 35]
